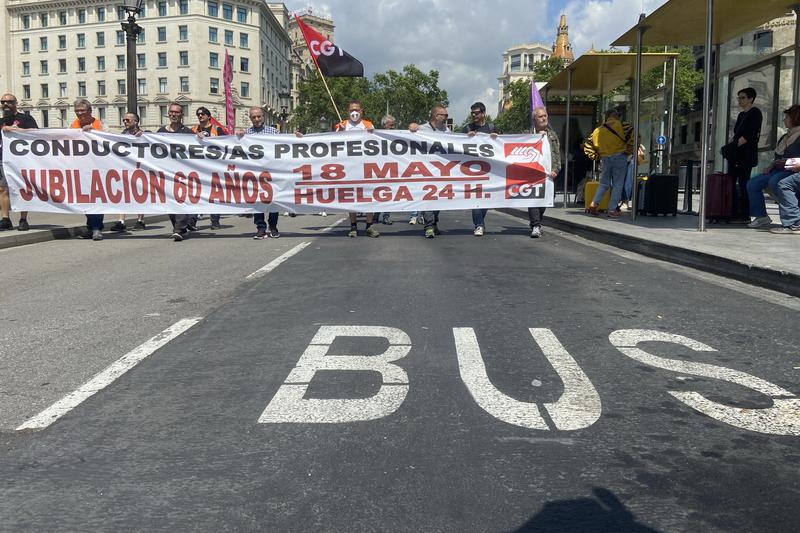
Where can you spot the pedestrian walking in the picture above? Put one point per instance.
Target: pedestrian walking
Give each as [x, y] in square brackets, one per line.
[437, 122]
[181, 223]
[613, 142]
[479, 125]
[541, 125]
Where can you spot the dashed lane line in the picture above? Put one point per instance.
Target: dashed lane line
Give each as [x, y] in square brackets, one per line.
[107, 376]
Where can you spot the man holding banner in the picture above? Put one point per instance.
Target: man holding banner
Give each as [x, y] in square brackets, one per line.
[181, 223]
[12, 120]
[86, 122]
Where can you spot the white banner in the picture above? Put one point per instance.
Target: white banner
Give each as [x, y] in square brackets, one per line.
[71, 171]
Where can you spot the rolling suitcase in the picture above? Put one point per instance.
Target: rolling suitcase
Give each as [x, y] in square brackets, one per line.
[719, 197]
[588, 195]
[658, 195]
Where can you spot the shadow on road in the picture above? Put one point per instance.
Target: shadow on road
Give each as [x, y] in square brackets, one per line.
[601, 513]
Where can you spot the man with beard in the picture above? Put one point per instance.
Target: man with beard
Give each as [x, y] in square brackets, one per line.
[12, 120]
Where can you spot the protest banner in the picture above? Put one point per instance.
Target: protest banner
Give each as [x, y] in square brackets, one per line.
[69, 171]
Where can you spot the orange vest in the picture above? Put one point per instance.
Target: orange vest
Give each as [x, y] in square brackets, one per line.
[96, 125]
[342, 126]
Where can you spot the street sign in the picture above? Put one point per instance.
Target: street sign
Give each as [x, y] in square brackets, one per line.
[661, 140]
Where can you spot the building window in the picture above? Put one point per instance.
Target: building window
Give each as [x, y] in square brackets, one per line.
[62, 18]
[162, 9]
[120, 62]
[244, 41]
[26, 45]
[227, 11]
[213, 60]
[62, 66]
[184, 84]
[26, 22]
[121, 15]
[43, 67]
[183, 33]
[762, 41]
[142, 85]
[183, 58]
[45, 118]
[121, 114]
[244, 64]
[162, 112]
[81, 88]
[81, 16]
[101, 14]
[241, 14]
[101, 38]
[183, 7]
[26, 92]
[62, 42]
[44, 19]
[45, 91]
[140, 61]
[101, 114]
[142, 113]
[26, 68]
[62, 89]
[120, 37]
[43, 43]
[162, 34]
[214, 86]
[140, 37]
[162, 59]
[213, 9]
[101, 88]
[101, 63]
[81, 40]
[245, 92]
[212, 34]
[81, 64]
[162, 85]
[121, 86]
[228, 38]
[516, 63]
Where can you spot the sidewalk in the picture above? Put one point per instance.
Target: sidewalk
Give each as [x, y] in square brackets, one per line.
[735, 251]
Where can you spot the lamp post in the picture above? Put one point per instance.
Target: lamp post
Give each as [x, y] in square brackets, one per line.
[132, 30]
[284, 96]
[324, 124]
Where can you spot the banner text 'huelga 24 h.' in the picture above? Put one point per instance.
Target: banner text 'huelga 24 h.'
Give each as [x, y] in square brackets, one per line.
[71, 171]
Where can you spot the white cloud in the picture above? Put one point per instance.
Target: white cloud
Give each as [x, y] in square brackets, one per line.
[600, 22]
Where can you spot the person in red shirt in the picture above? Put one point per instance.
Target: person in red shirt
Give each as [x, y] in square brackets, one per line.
[86, 122]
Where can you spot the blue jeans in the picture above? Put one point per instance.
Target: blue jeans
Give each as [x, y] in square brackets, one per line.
[615, 168]
[788, 193]
[478, 216]
[756, 186]
[258, 220]
[628, 190]
[94, 222]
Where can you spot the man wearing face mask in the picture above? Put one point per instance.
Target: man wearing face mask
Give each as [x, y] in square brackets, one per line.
[436, 122]
[12, 120]
[355, 121]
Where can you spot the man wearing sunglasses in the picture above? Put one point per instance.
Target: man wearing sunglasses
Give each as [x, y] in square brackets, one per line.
[12, 120]
[436, 122]
[131, 123]
[479, 125]
[205, 126]
[181, 224]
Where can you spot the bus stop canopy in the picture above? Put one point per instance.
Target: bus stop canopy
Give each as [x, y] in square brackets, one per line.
[683, 22]
[597, 73]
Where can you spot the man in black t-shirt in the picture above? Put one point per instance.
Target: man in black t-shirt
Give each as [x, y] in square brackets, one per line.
[479, 125]
[12, 120]
[181, 224]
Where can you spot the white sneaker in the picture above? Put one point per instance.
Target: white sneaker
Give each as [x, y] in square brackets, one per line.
[323, 214]
[760, 222]
[413, 220]
[536, 232]
[478, 231]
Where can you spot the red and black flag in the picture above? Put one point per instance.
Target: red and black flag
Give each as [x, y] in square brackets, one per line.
[331, 60]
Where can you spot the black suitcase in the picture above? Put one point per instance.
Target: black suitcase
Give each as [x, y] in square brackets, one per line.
[658, 195]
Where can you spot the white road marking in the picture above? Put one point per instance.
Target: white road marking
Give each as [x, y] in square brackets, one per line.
[275, 263]
[108, 375]
[783, 418]
[329, 228]
[289, 405]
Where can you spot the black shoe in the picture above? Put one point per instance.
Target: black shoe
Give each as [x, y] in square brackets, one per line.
[23, 225]
[216, 225]
[260, 234]
[177, 237]
[191, 227]
[139, 225]
[273, 233]
[5, 224]
[118, 226]
[436, 229]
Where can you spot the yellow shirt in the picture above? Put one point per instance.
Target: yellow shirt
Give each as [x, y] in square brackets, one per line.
[609, 143]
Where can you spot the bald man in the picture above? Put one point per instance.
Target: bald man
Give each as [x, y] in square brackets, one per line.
[12, 120]
[260, 128]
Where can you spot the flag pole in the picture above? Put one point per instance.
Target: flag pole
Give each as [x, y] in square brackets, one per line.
[329, 91]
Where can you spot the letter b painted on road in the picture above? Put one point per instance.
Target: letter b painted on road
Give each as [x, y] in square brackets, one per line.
[289, 405]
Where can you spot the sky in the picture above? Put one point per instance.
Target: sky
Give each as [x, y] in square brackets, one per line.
[465, 40]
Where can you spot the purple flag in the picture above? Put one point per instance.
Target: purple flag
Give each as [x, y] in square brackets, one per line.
[536, 99]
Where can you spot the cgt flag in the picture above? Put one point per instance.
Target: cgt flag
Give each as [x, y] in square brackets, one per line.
[331, 60]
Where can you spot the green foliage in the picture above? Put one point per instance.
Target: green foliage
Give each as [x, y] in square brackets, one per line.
[516, 117]
[546, 70]
[409, 96]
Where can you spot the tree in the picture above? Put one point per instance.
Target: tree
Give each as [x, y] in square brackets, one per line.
[408, 95]
[515, 118]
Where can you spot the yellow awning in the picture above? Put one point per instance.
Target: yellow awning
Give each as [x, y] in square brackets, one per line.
[599, 73]
[683, 22]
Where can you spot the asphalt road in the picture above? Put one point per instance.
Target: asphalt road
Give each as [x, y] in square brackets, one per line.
[482, 384]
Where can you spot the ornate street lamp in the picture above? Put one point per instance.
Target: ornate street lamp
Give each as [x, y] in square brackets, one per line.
[324, 124]
[132, 30]
[284, 114]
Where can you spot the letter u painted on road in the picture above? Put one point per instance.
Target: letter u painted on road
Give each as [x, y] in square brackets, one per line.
[289, 405]
[783, 418]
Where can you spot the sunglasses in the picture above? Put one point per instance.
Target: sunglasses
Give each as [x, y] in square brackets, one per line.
[8, 101]
[476, 113]
[203, 115]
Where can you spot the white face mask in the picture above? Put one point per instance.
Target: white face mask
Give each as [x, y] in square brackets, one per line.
[355, 116]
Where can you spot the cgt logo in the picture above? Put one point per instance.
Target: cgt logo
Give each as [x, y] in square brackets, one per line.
[326, 48]
[525, 175]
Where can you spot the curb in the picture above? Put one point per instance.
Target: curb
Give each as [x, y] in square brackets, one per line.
[776, 280]
[20, 238]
